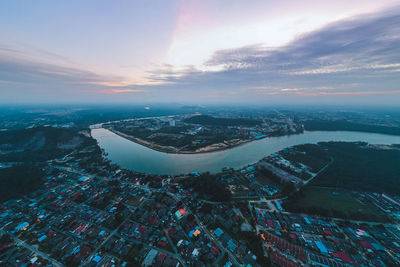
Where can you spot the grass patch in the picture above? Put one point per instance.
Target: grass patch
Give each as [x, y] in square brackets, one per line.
[333, 202]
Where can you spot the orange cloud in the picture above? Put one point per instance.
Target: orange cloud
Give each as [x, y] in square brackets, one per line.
[121, 91]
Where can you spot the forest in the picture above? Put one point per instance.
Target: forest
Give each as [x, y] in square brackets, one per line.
[19, 180]
[360, 167]
[343, 125]
[208, 186]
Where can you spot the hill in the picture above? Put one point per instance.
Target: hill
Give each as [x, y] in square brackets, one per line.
[39, 143]
[209, 120]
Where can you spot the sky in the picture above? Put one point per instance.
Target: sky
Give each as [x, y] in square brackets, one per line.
[177, 51]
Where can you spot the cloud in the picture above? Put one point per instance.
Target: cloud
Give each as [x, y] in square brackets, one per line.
[362, 43]
[26, 78]
[340, 59]
[122, 91]
[343, 57]
[17, 66]
[362, 93]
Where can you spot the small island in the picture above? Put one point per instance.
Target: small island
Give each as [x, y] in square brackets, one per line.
[188, 134]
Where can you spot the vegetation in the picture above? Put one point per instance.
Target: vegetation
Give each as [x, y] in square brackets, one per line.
[209, 120]
[332, 203]
[209, 187]
[343, 125]
[360, 167]
[172, 136]
[310, 155]
[19, 180]
[39, 143]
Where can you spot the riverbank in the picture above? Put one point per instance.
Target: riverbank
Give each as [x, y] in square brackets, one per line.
[137, 157]
[174, 150]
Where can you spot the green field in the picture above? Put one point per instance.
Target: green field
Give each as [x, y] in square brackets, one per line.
[334, 202]
[356, 165]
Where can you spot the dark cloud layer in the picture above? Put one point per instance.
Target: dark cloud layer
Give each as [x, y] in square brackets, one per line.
[356, 57]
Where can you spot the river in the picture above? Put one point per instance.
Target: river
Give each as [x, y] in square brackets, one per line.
[133, 156]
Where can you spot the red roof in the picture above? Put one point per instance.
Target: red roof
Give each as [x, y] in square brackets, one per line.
[182, 211]
[366, 245]
[79, 229]
[162, 243]
[343, 256]
[6, 246]
[151, 219]
[51, 233]
[327, 231]
[214, 250]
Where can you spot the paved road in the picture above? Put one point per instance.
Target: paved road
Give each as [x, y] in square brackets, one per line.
[104, 242]
[33, 249]
[213, 238]
[321, 170]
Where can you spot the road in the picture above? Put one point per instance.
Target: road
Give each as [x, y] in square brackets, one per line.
[104, 242]
[321, 170]
[19, 242]
[216, 241]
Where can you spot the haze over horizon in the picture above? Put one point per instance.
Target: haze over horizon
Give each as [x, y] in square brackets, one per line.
[300, 52]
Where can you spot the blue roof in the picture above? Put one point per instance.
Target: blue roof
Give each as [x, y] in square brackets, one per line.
[321, 247]
[97, 258]
[191, 233]
[231, 245]
[22, 225]
[218, 232]
[307, 220]
[278, 205]
[377, 246]
[43, 237]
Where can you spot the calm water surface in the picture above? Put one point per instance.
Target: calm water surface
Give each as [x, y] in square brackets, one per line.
[139, 158]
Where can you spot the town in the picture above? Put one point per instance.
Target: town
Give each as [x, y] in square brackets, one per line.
[91, 212]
